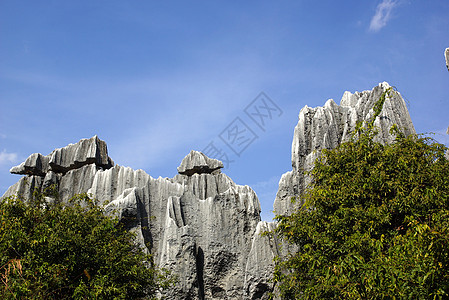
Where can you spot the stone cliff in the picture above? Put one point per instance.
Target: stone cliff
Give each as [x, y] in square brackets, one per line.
[327, 126]
[200, 225]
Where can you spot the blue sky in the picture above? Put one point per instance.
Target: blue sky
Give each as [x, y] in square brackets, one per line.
[155, 79]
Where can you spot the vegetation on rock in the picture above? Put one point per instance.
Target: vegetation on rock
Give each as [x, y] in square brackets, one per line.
[374, 223]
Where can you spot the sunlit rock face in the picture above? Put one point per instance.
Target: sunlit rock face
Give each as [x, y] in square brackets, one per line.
[446, 55]
[200, 225]
[325, 127]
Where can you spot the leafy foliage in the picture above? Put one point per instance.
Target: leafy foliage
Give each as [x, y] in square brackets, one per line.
[374, 224]
[70, 251]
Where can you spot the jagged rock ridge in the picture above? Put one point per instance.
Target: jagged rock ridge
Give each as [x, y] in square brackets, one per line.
[88, 151]
[200, 224]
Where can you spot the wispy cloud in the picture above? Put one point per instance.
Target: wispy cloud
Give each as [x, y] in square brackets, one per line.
[382, 15]
[6, 157]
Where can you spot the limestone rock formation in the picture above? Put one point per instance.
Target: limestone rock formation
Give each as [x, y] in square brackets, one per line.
[197, 162]
[326, 127]
[260, 263]
[71, 168]
[446, 55]
[87, 151]
[200, 225]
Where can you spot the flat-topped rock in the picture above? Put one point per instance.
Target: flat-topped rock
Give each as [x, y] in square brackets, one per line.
[197, 163]
[62, 160]
[86, 151]
[35, 164]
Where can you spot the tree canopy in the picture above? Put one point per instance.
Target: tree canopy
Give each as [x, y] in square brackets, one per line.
[374, 223]
[70, 251]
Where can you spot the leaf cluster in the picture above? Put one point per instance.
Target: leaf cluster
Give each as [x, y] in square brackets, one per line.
[70, 251]
[374, 224]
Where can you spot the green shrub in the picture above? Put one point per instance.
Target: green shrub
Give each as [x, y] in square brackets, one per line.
[70, 251]
[374, 224]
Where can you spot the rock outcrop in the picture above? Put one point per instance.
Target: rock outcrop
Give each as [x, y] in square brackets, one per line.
[446, 55]
[200, 225]
[73, 156]
[326, 127]
[197, 162]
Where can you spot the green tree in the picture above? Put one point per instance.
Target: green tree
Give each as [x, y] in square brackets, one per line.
[70, 251]
[374, 223]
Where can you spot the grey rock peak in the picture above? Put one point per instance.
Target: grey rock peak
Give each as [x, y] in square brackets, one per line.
[446, 55]
[327, 126]
[197, 162]
[62, 160]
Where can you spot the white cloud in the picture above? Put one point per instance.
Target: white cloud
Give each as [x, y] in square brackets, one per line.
[6, 157]
[382, 15]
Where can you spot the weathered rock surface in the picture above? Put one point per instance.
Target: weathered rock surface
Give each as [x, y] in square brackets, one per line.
[87, 151]
[446, 55]
[260, 263]
[197, 162]
[200, 224]
[326, 127]
[35, 164]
